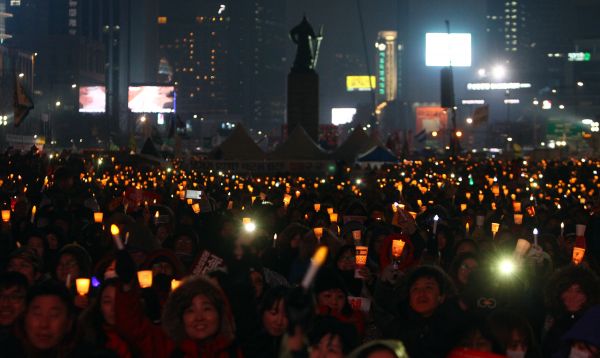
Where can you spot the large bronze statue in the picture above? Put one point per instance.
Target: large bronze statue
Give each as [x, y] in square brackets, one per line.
[308, 44]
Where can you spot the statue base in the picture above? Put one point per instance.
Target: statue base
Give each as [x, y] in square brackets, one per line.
[303, 102]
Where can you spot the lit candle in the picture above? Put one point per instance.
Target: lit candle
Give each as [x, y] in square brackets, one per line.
[318, 231]
[329, 211]
[562, 229]
[435, 222]
[33, 211]
[361, 255]
[317, 207]
[517, 206]
[196, 208]
[174, 284]
[397, 248]
[287, 198]
[114, 230]
[463, 207]
[98, 217]
[356, 235]
[83, 286]
[467, 228]
[535, 236]
[6, 215]
[274, 240]
[145, 278]
[333, 217]
[316, 262]
[495, 227]
[413, 214]
[578, 253]
[518, 219]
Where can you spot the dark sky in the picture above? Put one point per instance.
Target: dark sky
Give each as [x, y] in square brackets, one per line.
[341, 22]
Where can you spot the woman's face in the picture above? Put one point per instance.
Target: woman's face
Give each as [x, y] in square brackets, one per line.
[107, 305]
[52, 241]
[573, 298]
[442, 241]
[201, 319]
[516, 342]
[334, 299]
[347, 261]
[67, 265]
[465, 269]
[183, 244]
[275, 320]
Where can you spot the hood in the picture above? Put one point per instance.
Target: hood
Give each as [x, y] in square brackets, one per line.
[586, 328]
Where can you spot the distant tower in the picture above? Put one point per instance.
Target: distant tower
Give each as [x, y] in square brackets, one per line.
[387, 66]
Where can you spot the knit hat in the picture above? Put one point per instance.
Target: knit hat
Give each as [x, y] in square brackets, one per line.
[81, 255]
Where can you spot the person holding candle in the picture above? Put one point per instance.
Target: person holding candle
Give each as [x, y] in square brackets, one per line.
[345, 263]
[332, 299]
[98, 322]
[13, 290]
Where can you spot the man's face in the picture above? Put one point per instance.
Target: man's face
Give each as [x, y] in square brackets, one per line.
[47, 321]
[12, 304]
[425, 296]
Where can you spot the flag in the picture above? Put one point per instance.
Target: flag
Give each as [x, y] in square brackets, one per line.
[481, 115]
[421, 136]
[22, 102]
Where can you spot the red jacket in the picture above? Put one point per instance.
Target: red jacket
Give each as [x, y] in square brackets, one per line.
[152, 341]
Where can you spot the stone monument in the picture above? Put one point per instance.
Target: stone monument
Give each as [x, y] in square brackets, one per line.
[303, 81]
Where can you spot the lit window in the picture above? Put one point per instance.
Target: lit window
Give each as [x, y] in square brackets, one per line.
[15, 2]
[162, 20]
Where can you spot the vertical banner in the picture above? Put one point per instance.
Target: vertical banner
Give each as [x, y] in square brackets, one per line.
[72, 17]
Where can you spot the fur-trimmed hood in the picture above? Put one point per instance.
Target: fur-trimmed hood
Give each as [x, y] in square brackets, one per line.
[182, 297]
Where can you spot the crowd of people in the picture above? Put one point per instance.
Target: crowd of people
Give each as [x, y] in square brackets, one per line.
[109, 255]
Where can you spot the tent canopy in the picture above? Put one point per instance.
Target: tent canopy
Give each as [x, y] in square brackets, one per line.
[358, 142]
[378, 154]
[299, 146]
[238, 146]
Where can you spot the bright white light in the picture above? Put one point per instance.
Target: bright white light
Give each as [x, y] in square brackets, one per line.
[73, 85]
[546, 104]
[509, 139]
[587, 121]
[250, 227]
[381, 47]
[506, 267]
[160, 119]
[469, 120]
[561, 107]
[536, 102]
[580, 84]
[143, 119]
[57, 104]
[481, 72]
[21, 75]
[342, 115]
[499, 72]
[442, 49]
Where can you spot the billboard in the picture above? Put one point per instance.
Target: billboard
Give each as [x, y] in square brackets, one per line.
[92, 99]
[443, 49]
[341, 116]
[431, 119]
[360, 83]
[151, 99]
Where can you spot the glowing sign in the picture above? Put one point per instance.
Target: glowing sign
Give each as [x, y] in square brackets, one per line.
[359, 83]
[92, 99]
[579, 56]
[486, 86]
[152, 99]
[443, 49]
[341, 116]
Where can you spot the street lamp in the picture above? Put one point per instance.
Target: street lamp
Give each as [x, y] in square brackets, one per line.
[580, 84]
[21, 75]
[469, 120]
[481, 72]
[57, 104]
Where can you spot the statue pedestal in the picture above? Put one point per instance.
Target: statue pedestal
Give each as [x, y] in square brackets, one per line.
[303, 102]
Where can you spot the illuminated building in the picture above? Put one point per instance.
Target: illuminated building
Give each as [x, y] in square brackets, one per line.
[387, 65]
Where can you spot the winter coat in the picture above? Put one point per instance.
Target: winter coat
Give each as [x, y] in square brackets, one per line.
[153, 341]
